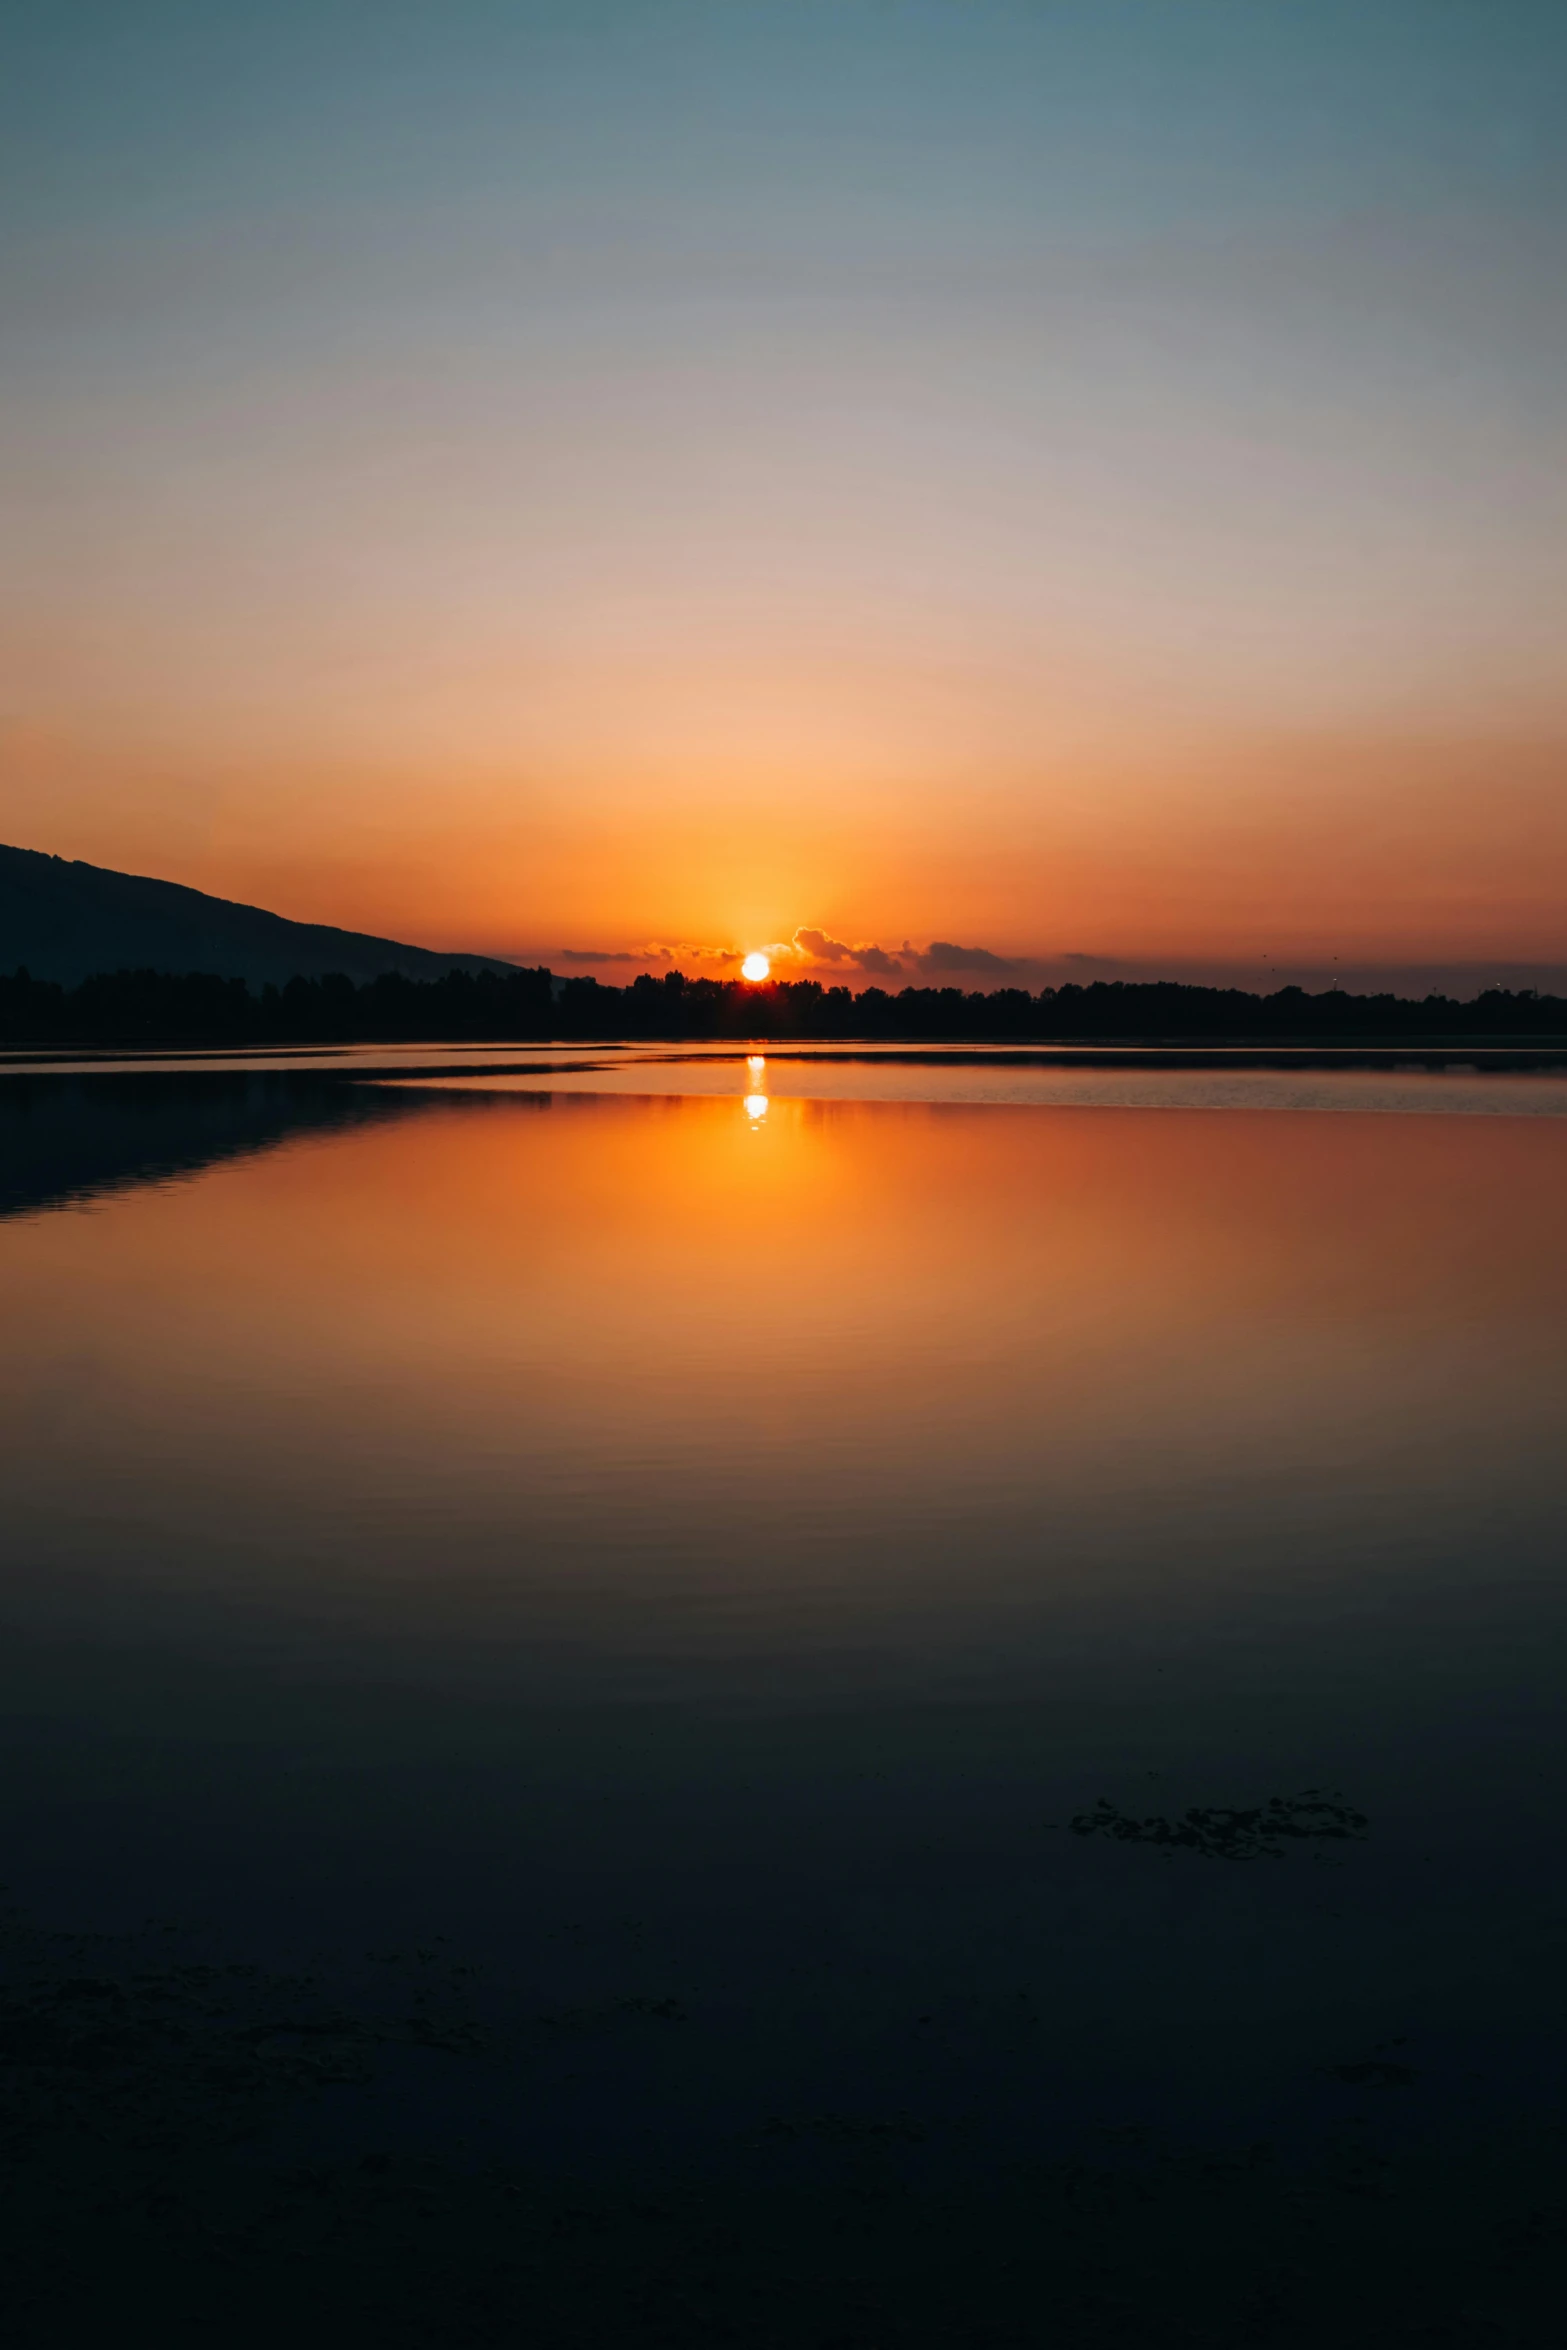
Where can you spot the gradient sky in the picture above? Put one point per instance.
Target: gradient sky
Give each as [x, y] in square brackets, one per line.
[1081, 478]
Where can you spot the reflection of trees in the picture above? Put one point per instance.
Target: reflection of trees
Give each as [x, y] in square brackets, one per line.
[71, 1138]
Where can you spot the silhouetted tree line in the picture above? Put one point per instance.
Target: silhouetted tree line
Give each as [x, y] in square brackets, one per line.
[534, 1006]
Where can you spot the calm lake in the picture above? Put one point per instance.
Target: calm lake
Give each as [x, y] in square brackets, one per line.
[699, 1552]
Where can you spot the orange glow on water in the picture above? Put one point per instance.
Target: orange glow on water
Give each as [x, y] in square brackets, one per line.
[1096, 1292]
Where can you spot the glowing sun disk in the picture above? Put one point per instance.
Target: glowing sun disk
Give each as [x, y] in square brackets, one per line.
[755, 967]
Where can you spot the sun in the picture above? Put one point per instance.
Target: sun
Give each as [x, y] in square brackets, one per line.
[755, 968]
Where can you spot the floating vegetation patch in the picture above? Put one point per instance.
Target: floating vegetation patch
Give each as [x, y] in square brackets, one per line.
[1373, 2071]
[582, 2022]
[106, 2037]
[1216, 1832]
[838, 2129]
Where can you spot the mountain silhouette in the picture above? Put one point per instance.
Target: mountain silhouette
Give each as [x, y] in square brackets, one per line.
[65, 920]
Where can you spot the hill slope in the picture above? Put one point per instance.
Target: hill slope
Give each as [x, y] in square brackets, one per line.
[68, 920]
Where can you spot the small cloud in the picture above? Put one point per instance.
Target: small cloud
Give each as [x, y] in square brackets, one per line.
[943, 954]
[656, 955]
[686, 954]
[816, 947]
[821, 948]
[813, 949]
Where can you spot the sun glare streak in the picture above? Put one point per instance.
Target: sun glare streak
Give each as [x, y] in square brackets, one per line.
[755, 1106]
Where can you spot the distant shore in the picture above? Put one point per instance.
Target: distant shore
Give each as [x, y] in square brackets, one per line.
[156, 1009]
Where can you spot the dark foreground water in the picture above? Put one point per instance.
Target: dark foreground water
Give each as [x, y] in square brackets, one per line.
[671, 1642]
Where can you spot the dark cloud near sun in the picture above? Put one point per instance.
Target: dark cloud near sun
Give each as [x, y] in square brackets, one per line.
[813, 951]
[817, 947]
[943, 954]
[823, 949]
[943, 959]
[655, 956]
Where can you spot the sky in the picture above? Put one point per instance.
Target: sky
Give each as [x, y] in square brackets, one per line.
[997, 489]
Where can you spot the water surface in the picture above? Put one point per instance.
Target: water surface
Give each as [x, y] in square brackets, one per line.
[701, 1557]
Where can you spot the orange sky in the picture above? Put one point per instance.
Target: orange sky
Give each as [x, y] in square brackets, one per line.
[1049, 482]
[1282, 852]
